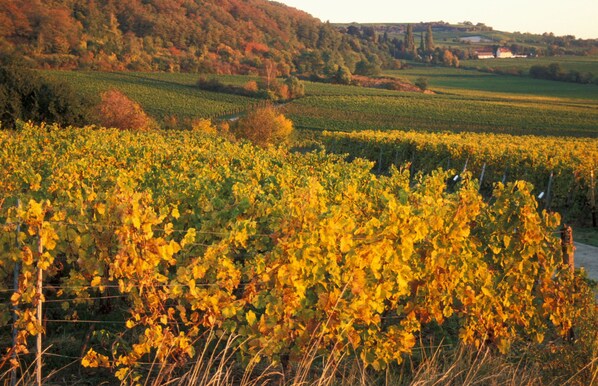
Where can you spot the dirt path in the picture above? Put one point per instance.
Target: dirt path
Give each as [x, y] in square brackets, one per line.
[587, 256]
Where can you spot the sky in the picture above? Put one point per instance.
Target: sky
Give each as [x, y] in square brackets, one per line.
[571, 17]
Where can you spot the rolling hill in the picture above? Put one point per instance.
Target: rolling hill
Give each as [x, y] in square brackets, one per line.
[224, 36]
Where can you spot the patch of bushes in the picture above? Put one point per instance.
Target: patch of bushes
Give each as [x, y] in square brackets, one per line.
[27, 96]
[290, 88]
[554, 71]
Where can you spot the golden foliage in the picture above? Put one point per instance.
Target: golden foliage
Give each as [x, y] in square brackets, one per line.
[264, 126]
[288, 252]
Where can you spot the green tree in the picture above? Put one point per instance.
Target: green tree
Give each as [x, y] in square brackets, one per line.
[555, 71]
[370, 66]
[429, 39]
[24, 95]
[342, 75]
[409, 41]
[296, 89]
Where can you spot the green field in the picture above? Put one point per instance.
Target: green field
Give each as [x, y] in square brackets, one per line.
[160, 94]
[442, 112]
[578, 63]
[464, 100]
[463, 82]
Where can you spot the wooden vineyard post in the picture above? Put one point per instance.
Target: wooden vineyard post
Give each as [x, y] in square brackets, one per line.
[568, 247]
[482, 176]
[593, 198]
[38, 345]
[548, 195]
[17, 270]
[568, 259]
[545, 195]
[412, 166]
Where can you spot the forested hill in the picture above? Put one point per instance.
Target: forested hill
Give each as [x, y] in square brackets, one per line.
[224, 36]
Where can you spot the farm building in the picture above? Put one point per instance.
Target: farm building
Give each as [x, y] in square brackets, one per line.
[502, 53]
[484, 54]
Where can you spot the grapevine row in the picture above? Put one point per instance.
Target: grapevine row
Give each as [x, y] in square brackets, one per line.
[287, 251]
[573, 162]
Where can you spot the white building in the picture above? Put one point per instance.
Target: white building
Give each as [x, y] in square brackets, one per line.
[502, 53]
[485, 54]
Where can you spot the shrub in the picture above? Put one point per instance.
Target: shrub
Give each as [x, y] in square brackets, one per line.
[204, 126]
[251, 86]
[422, 83]
[118, 111]
[263, 127]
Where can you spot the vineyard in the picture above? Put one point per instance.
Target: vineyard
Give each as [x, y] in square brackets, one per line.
[140, 247]
[465, 82]
[466, 101]
[413, 111]
[578, 63]
[563, 170]
[160, 95]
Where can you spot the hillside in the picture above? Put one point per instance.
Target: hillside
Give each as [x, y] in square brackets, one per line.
[224, 36]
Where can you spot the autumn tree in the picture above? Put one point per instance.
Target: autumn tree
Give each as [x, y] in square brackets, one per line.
[263, 127]
[117, 110]
[449, 59]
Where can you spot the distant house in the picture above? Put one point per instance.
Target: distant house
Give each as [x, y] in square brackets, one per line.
[503, 53]
[484, 54]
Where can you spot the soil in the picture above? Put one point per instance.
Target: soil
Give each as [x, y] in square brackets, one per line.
[586, 256]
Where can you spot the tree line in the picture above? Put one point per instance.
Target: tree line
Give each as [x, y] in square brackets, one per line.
[228, 36]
